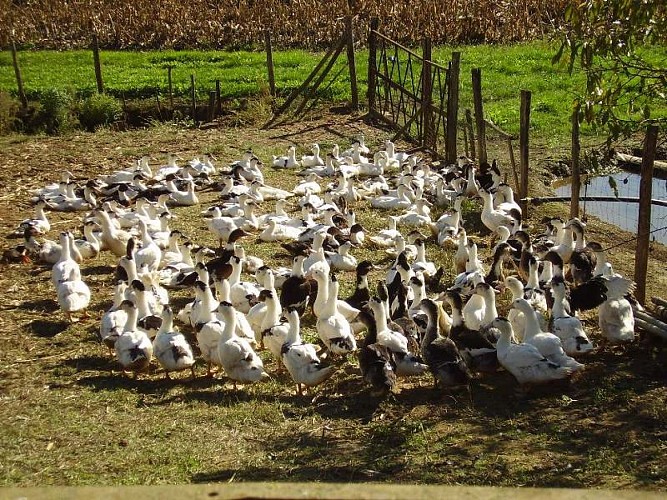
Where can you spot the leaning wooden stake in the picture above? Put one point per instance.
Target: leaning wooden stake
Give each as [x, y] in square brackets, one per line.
[428, 139]
[290, 99]
[19, 79]
[193, 97]
[523, 146]
[479, 114]
[453, 107]
[351, 62]
[98, 65]
[372, 63]
[644, 226]
[576, 174]
[171, 89]
[471, 134]
[269, 63]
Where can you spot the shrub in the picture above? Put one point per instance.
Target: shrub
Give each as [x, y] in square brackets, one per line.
[99, 110]
[56, 111]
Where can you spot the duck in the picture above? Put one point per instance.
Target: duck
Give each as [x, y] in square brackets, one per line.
[149, 254]
[148, 308]
[89, 246]
[113, 320]
[549, 345]
[524, 361]
[66, 269]
[112, 238]
[361, 294]
[297, 289]
[332, 327]
[598, 290]
[568, 329]
[342, 260]
[514, 316]
[40, 221]
[170, 347]
[476, 347]
[308, 185]
[73, 296]
[300, 359]
[386, 237]
[314, 160]
[448, 225]
[237, 357]
[407, 363]
[420, 263]
[134, 349]
[376, 362]
[241, 292]
[272, 331]
[493, 218]
[583, 260]
[184, 198]
[389, 202]
[443, 358]
[261, 192]
[279, 232]
[288, 161]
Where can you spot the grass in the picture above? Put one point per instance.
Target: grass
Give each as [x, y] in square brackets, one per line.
[142, 75]
[68, 419]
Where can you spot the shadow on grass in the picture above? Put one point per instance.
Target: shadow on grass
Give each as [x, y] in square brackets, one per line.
[40, 305]
[47, 329]
[100, 270]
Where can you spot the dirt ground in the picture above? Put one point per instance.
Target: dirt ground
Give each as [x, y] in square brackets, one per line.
[69, 416]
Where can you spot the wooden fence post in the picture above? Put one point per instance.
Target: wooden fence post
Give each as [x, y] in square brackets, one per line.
[427, 139]
[372, 63]
[171, 89]
[269, 62]
[19, 79]
[98, 66]
[452, 107]
[471, 134]
[351, 62]
[211, 105]
[218, 108]
[479, 114]
[523, 145]
[644, 226]
[576, 174]
[193, 97]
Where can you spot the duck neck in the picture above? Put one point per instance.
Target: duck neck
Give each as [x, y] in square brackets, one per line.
[66, 250]
[322, 297]
[490, 311]
[142, 304]
[167, 324]
[532, 325]
[236, 272]
[533, 278]
[230, 326]
[131, 322]
[330, 307]
[558, 309]
[380, 317]
[273, 311]
[293, 336]
[223, 288]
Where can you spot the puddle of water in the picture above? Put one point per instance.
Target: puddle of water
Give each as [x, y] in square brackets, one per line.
[622, 214]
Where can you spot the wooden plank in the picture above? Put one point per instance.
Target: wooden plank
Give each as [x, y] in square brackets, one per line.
[576, 172]
[644, 226]
[98, 65]
[351, 62]
[479, 114]
[391, 83]
[524, 158]
[211, 105]
[406, 126]
[19, 79]
[452, 108]
[372, 63]
[269, 63]
[218, 97]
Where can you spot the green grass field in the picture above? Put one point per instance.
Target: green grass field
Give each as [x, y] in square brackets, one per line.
[141, 75]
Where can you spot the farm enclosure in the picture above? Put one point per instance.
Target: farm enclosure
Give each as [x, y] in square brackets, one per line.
[68, 420]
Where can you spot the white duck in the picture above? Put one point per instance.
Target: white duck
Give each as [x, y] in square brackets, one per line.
[332, 327]
[73, 296]
[547, 343]
[114, 319]
[170, 348]
[567, 328]
[134, 349]
[149, 254]
[237, 358]
[313, 160]
[525, 361]
[112, 238]
[40, 222]
[288, 161]
[301, 359]
[66, 269]
[342, 260]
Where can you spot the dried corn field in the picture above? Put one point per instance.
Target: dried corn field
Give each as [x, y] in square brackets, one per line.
[145, 24]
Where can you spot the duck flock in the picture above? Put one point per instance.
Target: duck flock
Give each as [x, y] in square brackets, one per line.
[413, 323]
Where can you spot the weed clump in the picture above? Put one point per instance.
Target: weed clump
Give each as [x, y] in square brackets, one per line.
[56, 111]
[99, 110]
